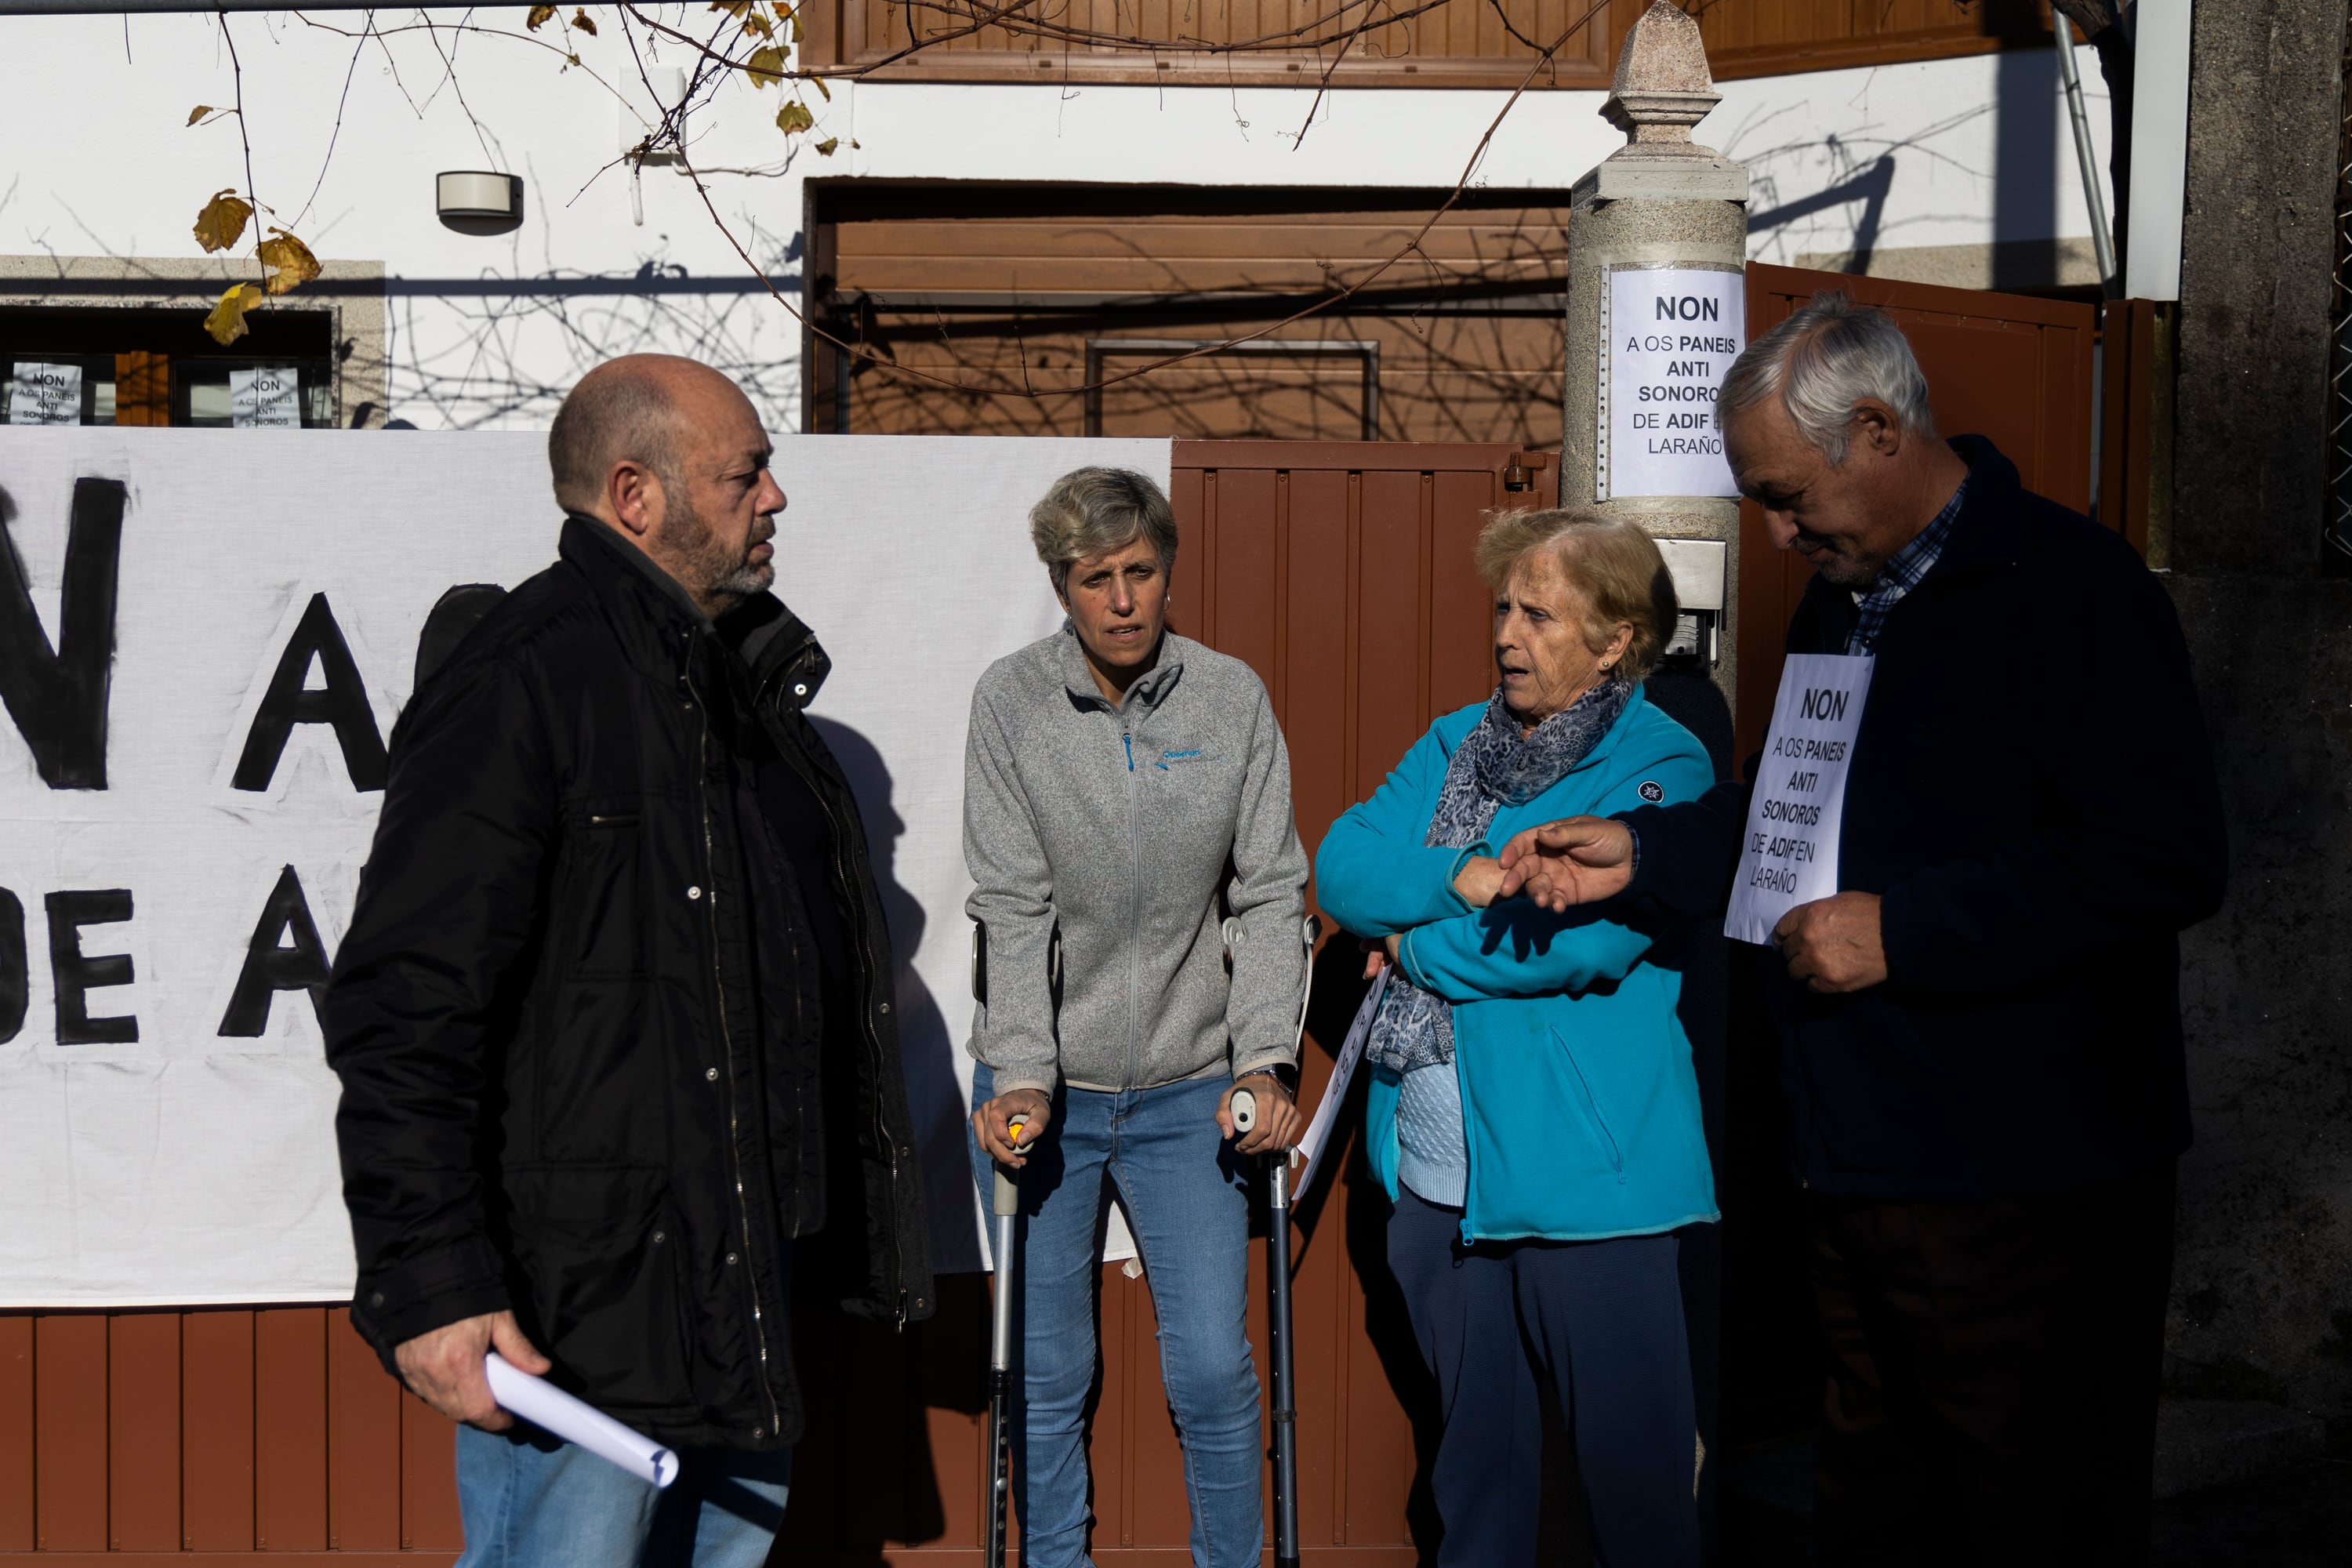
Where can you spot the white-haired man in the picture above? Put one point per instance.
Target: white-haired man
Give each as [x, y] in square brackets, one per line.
[1980, 1025]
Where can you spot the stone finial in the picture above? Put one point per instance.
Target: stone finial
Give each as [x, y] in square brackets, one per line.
[1662, 85]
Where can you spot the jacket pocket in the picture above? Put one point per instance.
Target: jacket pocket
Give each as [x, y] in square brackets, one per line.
[1579, 1091]
[603, 909]
[598, 1249]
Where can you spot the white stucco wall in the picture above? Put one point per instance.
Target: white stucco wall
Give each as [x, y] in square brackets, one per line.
[1953, 153]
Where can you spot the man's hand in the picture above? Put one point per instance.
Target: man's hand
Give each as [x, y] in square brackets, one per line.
[993, 1124]
[1832, 945]
[1480, 880]
[1278, 1121]
[444, 1368]
[1577, 861]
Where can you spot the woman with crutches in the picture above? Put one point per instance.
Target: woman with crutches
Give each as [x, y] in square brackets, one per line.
[1127, 789]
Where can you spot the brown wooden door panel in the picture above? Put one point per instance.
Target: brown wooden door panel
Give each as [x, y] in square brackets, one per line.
[2007, 366]
[217, 1405]
[70, 1455]
[143, 1431]
[291, 1429]
[17, 1444]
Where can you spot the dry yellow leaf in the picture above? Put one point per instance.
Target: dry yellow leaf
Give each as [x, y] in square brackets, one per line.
[580, 19]
[221, 222]
[198, 112]
[822, 87]
[797, 26]
[539, 16]
[289, 261]
[757, 23]
[825, 148]
[226, 322]
[795, 118]
[765, 68]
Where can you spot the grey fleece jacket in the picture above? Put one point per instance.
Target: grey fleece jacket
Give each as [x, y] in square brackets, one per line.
[1121, 827]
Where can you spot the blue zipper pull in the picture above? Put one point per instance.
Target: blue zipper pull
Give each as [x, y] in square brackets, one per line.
[1130, 751]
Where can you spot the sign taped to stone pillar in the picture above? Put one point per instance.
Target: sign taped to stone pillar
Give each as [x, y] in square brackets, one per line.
[1668, 336]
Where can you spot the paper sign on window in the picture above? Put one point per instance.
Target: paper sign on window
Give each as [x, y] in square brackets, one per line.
[267, 398]
[45, 393]
[1798, 804]
[1668, 336]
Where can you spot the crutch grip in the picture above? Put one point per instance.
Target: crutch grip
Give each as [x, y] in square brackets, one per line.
[1007, 1193]
[1245, 1110]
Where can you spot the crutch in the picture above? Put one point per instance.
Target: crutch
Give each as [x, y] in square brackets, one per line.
[1277, 1271]
[1006, 1205]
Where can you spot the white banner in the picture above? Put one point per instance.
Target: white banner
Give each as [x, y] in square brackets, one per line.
[179, 824]
[1796, 805]
[1669, 335]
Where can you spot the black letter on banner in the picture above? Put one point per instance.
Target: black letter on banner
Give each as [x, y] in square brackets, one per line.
[343, 704]
[58, 699]
[15, 979]
[271, 968]
[76, 976]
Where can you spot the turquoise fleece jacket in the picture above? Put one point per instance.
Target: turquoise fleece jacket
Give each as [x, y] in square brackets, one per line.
[1579, 1100]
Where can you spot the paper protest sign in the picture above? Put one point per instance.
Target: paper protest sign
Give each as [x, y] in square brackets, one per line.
[44, 394]
[1669, 336]
[1789, 856]
[267, 397]
[1319, 1130]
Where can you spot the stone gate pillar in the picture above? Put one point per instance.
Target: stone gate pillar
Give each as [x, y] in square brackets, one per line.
[1657, 240]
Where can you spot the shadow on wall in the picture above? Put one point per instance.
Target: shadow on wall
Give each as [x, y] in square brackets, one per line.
[926, 1041]
[889, 1437]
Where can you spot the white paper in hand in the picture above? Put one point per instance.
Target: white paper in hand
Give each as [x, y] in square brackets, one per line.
[552, 1411]
[1319, 1130]
[1798, 805]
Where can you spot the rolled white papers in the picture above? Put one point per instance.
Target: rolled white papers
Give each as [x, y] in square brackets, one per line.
[551, 1410]
[1318, 1131]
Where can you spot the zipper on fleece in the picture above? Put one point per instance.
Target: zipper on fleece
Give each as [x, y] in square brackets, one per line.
[1135, 902]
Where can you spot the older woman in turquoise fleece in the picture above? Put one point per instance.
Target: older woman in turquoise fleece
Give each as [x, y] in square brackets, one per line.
[1533, 1112]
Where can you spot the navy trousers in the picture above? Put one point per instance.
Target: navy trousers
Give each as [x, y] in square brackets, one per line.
[1602, 1323]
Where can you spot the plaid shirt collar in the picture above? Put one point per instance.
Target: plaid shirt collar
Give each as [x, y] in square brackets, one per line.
[1904, 571]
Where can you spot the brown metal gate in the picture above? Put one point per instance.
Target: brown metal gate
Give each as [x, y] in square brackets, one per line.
[1341, 572]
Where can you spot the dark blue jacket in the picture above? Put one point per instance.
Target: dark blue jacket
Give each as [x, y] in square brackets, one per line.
[2033, 796]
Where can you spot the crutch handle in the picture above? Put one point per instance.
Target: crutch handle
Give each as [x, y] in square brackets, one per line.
[1007, 1195]
[1245, 1110]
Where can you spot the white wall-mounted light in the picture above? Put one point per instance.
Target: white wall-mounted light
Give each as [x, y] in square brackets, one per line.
[472, 201]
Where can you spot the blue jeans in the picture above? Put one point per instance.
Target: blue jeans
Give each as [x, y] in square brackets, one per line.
[533, 1502]
[1188, 1200]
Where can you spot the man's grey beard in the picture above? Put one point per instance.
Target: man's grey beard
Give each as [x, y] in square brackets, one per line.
[722, 576]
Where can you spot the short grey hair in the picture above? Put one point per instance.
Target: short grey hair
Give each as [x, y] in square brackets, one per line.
[1091, 511]
[1823, 359]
